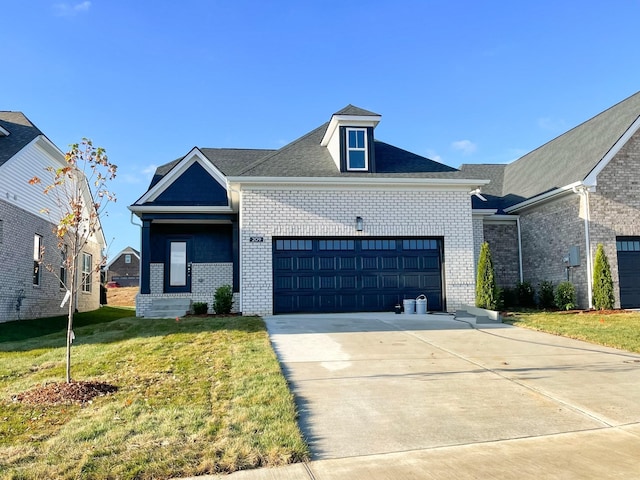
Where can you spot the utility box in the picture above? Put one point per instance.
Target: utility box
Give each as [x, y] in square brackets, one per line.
[574, 256]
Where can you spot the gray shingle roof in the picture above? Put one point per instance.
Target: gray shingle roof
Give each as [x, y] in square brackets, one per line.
[353, 110]
[305, 157]
[230, 161]
[488, 171]
[21, 133]
[572, 156]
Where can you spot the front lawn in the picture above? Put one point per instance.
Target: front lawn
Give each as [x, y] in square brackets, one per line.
[618, 330]
[195, 396]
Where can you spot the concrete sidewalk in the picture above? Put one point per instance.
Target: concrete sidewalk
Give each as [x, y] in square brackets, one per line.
[385, 396]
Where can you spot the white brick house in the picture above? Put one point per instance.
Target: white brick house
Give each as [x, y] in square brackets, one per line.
[27, 289]
[336, 221]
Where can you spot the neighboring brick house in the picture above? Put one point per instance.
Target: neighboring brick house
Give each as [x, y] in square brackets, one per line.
[27, 289]
[336, 221]
[124, 268]
[555, 204]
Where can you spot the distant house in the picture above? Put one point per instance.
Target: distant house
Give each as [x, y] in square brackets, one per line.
[546, 212]
[124, 268]
[27, 289]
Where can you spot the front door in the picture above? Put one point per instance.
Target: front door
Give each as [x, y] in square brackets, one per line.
[177, 272]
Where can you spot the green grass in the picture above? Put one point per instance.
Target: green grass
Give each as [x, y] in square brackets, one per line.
[618, 330]
[198, 396]
[27, 329]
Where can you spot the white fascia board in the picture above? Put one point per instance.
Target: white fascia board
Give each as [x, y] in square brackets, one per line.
[483, 212]
[544, 197]
[138, 209]
[351, 121]
[332, 183]
[591, 179]
[195, 155]
[4, 132]
[49, 147]
[501, 219]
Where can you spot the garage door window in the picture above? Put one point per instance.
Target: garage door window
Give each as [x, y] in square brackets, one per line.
[295, 245]
[336, 245]
[378, 244]
[419, 244]
[628, 246]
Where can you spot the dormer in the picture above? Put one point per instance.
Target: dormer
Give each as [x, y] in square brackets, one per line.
[349, 139]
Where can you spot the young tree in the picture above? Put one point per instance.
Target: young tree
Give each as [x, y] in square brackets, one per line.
[78, 191]
[486, 288]
[602, 282]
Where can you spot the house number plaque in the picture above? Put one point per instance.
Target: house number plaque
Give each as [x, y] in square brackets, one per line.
[256, 239]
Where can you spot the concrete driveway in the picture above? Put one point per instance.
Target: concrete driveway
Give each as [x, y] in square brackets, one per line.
[369, 384]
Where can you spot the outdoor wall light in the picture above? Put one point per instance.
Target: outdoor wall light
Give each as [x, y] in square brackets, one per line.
[359, 224]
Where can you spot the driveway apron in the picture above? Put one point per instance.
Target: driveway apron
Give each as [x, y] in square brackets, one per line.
[369, 384]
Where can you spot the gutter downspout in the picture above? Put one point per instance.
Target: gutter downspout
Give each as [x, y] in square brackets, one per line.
[583, 191]
[520, 249]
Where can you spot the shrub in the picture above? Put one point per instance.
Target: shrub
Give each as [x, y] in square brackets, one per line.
[486, 289]
[200, 308]
[223, 300]
[565, 296]
[602, 281]
[526, 294]
[546, 298]
[509, 298]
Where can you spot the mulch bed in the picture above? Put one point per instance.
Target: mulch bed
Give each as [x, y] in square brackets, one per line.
[65, 393]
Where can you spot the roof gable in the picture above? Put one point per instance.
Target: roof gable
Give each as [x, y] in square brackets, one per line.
[21, 132]
[194, 186]
[572, 156]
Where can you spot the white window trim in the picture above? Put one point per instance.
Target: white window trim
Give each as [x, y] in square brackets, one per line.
[86, 286]
[365, 149]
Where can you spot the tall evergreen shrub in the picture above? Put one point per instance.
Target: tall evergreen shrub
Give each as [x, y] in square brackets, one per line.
[486, 288]
[602, 281]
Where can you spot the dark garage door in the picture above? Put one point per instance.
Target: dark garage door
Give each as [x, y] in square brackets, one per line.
[629, 271]
[355, 274]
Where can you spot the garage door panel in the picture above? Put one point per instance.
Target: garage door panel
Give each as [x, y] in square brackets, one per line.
[349, 275]
[629, 271]
[305, 263]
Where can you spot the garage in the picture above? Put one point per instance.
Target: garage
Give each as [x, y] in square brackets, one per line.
[628, 271]
[322, 275]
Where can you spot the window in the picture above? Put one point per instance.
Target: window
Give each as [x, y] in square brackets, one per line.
[357, 149]
[37, 257]
[63, 268]
[127, 258]
[293, 244]
[336, 245]
[378, 244]
[86, 272]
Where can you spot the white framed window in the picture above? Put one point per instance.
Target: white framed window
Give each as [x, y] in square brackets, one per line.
[63, 267]
[127, 258]
[86, 272]
[37, 257]
[357, 154]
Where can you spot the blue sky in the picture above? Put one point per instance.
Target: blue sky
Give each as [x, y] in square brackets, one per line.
[456, 81]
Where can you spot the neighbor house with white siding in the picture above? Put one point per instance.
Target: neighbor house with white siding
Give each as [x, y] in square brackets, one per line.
[27, 289]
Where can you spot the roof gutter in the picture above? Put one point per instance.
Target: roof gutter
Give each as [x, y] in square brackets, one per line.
[557, 192]
[358, 181]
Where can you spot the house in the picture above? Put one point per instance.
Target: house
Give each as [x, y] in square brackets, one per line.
[335, 221]
[28, 290]
[124, 268]
[545, 213]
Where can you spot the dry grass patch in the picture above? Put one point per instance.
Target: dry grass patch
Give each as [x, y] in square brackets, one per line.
[194, 397]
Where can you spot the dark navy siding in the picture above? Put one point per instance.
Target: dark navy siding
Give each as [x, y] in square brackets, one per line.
[210, 243]
[194, 187]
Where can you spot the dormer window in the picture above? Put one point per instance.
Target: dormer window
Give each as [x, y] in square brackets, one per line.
[357, 158]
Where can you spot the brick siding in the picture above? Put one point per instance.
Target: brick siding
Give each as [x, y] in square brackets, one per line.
[316, 213]
[19, 298]
[503, 243]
